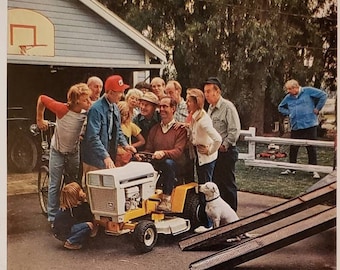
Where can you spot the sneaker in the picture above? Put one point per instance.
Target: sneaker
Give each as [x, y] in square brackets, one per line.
[74, 246]
[202, 229]
[287, 172]
[316, 175]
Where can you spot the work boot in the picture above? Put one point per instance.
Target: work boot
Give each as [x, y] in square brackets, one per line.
[165, 204]
[74, 246]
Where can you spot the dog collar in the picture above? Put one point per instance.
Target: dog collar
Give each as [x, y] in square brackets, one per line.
[212, 199]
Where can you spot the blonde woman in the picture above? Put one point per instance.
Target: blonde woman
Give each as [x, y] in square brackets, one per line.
[132, 134]
[206, 141]
[74, 221]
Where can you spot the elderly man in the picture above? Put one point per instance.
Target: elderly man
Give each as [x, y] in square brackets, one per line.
[227, 122]
[173, 89]
[148, 116]
[96, 86]
[158, 87]
[103, 132]
[167, 145]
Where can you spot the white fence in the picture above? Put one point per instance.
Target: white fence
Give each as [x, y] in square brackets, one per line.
[250, 157]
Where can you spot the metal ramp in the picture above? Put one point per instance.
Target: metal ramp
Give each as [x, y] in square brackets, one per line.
[295, 220]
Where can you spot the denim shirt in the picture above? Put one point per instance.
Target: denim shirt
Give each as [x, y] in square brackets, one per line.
[300, 108]
[96, 145]
[226, 121]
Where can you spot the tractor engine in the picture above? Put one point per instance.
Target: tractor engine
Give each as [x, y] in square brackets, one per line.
[132, 198]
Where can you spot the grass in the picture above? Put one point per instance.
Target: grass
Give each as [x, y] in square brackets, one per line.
[268, 181]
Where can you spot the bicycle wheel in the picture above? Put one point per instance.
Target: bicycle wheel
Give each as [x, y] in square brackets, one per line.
[43, 179]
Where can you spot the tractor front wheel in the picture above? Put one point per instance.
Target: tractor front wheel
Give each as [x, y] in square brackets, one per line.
[145, 236]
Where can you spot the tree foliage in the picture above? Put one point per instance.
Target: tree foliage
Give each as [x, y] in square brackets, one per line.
[253, 46]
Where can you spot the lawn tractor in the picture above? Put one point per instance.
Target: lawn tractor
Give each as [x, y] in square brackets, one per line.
[124, 200]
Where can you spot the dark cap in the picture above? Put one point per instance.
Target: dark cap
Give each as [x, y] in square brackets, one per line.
[213, 80]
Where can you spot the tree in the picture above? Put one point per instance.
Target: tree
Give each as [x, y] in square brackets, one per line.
[253, 46]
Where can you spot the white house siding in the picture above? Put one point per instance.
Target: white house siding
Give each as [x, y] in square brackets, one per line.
[82, 37]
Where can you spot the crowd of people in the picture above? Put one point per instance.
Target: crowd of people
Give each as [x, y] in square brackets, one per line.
[95, 131]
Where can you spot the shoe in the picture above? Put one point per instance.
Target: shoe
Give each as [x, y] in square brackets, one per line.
[74, 246]
[202, 229]
[165, 204]
[316, 175]
[286, 172]
[95, 230]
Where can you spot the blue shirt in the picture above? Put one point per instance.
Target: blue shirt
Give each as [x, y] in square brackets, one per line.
[300, 108]
[96, 145]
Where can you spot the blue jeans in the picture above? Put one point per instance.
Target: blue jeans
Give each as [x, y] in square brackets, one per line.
[79, 233]
[60, 165]
[167, 180]
[204, 174]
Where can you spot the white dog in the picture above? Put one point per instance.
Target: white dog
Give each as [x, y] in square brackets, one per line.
[218, 210]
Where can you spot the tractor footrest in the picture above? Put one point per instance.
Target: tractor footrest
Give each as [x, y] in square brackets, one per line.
[174, 225]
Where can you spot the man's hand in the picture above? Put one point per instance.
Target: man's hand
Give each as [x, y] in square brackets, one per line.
[130, 148]
[109, 164]
[42, 124]
[158, 155]
[316, 111]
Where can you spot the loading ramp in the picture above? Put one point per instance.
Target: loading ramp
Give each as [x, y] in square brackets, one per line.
[283, 225]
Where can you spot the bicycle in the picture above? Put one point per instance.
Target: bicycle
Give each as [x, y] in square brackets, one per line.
[43, 173]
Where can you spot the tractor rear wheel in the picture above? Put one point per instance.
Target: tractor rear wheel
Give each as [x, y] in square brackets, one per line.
[192, 209]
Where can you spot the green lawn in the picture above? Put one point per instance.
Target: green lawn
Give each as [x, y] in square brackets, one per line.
[268, 181]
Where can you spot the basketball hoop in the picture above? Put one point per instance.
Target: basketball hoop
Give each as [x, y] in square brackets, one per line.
[25, 48]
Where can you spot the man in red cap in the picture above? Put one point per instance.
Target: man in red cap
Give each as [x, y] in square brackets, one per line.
[103, 132]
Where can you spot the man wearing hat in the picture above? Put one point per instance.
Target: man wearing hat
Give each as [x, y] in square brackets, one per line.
[148, 115]
[103, 132]
[167, 144]
[227, 122]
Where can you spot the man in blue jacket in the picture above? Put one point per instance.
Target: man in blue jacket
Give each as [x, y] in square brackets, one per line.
[103, 131]
[302, 105]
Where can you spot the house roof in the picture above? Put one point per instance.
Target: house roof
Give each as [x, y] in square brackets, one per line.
[124, 27]
[104, 40]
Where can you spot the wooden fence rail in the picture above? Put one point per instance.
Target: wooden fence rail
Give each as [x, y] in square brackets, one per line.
[251, 160]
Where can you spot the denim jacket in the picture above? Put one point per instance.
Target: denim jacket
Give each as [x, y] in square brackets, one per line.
[300, 108]
[96, 145]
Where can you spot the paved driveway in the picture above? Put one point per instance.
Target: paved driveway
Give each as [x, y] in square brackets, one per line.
[32, 247]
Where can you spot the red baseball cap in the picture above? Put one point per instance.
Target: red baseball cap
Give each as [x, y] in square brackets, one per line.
[115, 83]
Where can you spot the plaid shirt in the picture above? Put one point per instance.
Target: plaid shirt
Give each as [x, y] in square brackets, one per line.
[181, 111]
